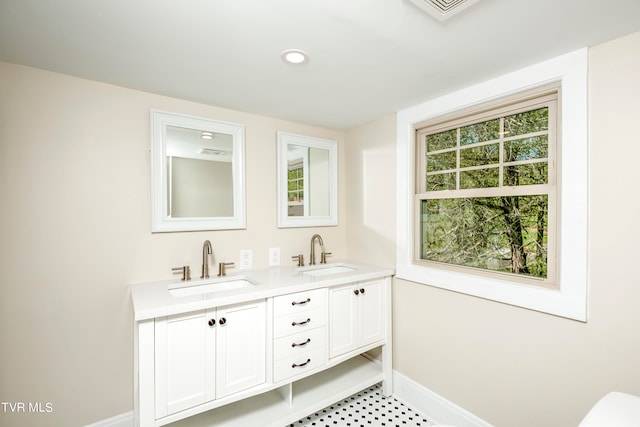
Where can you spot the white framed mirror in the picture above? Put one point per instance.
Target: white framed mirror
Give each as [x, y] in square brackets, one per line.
[307, 181]
[197, 173]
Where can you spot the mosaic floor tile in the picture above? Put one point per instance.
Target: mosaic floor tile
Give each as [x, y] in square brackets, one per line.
[365, 409]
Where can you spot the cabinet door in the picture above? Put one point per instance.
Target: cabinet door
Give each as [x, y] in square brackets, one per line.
[184, 364]
[371, 311]
[241, 347]
[342, 320]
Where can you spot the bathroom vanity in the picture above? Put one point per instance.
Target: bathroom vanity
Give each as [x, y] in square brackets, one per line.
[259, 348]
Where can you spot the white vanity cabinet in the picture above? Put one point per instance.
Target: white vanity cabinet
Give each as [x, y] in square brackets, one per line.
[265, 355]
[208, 354]
[357, 316]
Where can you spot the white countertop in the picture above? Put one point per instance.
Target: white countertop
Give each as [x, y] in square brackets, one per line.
[153, 299]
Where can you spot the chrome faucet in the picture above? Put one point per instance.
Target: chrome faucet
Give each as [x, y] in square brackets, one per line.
[323, 255]
[206, 251]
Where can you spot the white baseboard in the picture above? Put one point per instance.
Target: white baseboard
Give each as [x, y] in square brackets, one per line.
[122, 420]
[431, 405]
[426, 402]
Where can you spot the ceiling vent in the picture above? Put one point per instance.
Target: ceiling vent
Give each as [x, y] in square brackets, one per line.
[443, 9]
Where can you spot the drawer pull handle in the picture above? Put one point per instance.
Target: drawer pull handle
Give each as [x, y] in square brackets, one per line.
[301, 302]
[301, 344]
[295, 365]
[300, 323]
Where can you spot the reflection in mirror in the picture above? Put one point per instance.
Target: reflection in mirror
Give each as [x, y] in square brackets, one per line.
[307, 181]
[197, 173]
[306, 196]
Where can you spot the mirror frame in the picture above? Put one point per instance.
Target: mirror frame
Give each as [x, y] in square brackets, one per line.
[286, 221]
[160, 220]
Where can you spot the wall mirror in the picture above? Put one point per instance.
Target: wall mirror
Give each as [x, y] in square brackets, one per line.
[197, 173]
[307, 181]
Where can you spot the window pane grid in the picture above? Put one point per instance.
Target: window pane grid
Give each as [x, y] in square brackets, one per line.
[485, 196]
[462, 153]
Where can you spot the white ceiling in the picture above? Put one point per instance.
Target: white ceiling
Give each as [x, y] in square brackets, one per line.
[369, 58]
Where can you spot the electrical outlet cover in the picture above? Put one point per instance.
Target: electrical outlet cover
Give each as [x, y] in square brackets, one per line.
[274, 257]
[246, 259]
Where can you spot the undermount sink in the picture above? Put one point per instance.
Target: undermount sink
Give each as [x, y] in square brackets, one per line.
[209, 286]
[326, 269]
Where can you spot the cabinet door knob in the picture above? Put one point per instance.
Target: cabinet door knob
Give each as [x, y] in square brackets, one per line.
[296, 365]
[356, 292]
[301, 302]
[212, 322]
[362, 290]
[222, 321]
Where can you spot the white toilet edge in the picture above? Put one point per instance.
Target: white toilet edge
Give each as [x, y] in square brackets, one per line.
[615, 408]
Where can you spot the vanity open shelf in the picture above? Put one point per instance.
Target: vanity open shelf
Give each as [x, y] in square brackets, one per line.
[266, 354]
[293, 401]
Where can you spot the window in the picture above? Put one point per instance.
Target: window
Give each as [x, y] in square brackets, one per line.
[467, 168]
[485, 189]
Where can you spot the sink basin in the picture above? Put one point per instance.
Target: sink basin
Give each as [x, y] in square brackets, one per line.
[327, 269]
[209, 286]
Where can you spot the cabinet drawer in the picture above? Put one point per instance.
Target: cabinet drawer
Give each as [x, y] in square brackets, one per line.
[300, 301]
[299, 364]
[298, 322]
[299, 343]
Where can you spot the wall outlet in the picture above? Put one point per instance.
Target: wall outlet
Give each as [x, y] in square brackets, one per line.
[274, 257]
[246, 259]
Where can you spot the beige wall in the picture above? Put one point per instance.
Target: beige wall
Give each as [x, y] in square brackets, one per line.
[75, 232]
[508, 365]
[370, 188]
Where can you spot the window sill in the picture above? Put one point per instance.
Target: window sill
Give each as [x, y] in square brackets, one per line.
[537, 298]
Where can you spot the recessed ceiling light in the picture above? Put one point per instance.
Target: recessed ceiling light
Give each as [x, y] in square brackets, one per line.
[295, 56]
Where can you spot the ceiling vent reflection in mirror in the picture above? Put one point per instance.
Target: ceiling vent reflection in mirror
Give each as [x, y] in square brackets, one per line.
[443, 9]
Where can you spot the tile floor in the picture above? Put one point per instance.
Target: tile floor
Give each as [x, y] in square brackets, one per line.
[365, 409]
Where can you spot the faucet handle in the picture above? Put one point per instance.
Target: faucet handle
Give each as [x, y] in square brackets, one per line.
[323, 257]
[222, 268]
[186, 272]
[300, 259]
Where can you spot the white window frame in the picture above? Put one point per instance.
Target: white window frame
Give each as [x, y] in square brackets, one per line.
[570, 298]
[546, 97]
